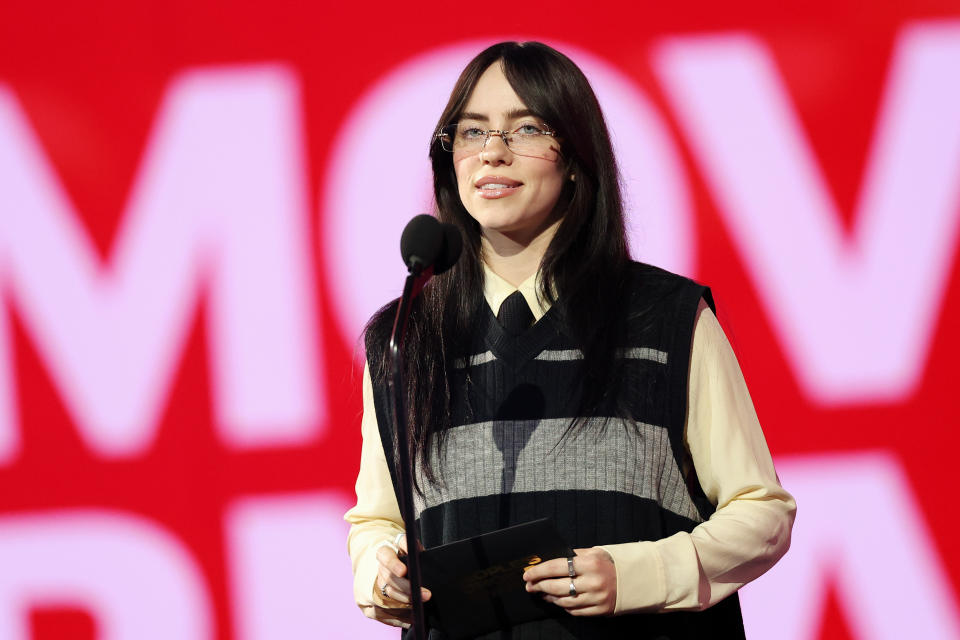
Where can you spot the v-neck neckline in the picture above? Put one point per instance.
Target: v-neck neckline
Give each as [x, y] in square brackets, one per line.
[525, 346]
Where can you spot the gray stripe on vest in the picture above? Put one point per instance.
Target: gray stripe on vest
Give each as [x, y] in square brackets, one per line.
[480, 358]
[644, 353]
[636, 353]
[561, 355]
[491, 458]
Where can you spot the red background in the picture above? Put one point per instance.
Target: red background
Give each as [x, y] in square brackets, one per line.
[90, 79]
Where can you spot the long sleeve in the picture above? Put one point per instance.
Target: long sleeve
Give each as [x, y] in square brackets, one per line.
[375, 520]
[750, 529]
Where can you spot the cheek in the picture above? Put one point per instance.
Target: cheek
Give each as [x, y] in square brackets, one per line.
[551, 185]
[463, 172]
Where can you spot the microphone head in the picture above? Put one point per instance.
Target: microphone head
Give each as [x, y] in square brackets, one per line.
[421, 241]
[452, 247]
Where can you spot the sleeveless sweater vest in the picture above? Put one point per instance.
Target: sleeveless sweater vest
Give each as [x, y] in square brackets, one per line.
[624, 476]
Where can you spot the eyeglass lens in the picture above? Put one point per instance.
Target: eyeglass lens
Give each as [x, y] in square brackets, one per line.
[527, 140]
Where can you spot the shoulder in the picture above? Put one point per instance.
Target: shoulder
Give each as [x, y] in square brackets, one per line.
[380, 322]
[651, 288]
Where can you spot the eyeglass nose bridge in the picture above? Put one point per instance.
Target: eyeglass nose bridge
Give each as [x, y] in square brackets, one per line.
[504, 137]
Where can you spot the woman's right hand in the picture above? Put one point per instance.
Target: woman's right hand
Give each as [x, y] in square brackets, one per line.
[390, 579]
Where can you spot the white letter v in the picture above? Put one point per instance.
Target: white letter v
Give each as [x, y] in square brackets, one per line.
[855, 314]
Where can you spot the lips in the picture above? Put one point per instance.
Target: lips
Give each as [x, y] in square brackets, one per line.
[496, 180]
[496, 186]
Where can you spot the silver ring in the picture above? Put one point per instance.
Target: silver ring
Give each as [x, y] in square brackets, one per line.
[383, 591]
[570, 571]
[573, 589]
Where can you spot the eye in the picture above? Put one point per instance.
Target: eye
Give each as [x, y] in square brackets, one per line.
[470, 132]
[529, 129]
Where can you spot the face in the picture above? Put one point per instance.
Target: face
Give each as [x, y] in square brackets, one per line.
[506, 193]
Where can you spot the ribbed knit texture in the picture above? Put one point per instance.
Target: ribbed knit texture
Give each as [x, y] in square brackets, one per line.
[618, 479]
[515, 315]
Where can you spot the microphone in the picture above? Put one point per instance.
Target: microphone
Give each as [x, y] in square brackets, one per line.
[421, 242]
[426, 242]
[428, 247]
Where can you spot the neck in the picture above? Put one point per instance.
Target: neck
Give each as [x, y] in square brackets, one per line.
[515, 258]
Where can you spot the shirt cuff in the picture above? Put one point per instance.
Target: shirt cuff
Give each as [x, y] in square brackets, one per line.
[641, 584]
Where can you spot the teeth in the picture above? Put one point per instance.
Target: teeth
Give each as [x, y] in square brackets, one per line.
[491, 185]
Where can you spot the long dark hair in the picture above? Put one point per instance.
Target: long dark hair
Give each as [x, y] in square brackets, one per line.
[582, 270]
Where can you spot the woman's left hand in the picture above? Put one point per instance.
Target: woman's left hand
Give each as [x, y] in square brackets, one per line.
[595, 582]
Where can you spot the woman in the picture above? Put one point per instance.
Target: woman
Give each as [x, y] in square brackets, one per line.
[550, 376]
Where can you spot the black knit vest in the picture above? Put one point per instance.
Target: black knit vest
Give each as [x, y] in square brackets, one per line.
[625, 476]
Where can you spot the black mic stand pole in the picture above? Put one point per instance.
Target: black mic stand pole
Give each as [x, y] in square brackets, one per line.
[415, 280]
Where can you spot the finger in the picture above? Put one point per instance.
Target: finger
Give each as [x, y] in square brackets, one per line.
[557, 587]
[390, 583]
[401, 584]
[387, 558]
[589, 560]
[572, 603]
[590, 603]
[404, 593]
[404, 596]
[550, 569]
[399, 589]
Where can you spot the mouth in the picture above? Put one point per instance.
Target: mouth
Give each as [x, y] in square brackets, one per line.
[496, 186]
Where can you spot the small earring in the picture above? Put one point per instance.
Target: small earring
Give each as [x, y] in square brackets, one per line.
[573, 177]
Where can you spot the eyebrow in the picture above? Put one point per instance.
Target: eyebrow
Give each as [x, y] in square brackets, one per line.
[513, 114]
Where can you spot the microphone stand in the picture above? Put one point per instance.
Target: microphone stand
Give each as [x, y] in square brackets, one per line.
[418, 276]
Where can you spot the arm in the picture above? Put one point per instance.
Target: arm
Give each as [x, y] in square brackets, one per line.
[749, 531]
[375, 520]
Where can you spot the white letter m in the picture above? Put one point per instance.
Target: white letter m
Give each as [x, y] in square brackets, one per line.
[219, 206]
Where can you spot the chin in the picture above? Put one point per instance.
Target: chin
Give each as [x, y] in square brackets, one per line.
[520, 231]
[502, 223]
[508, 220]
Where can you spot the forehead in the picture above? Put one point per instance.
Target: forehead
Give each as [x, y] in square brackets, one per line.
[493, 97]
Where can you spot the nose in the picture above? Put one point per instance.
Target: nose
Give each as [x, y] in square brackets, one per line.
[496, 152]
